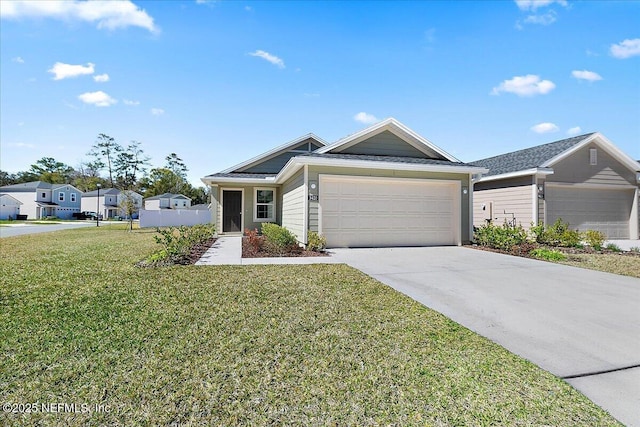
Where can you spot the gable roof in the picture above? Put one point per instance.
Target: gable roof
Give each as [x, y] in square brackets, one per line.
[274, 152]
[103, 192]
[168, 196]
[392, 125]
[2, 195]
[542, 157]
[28, 187]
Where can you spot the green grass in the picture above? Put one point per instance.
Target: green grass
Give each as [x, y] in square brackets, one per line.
[626, 265]
[258, 345]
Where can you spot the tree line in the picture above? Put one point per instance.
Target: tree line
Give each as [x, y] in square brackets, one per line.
[124, 167]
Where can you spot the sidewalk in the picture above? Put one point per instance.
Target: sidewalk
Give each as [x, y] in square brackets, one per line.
[227, 250]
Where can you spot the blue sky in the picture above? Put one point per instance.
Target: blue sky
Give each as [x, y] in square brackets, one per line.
[220, 82]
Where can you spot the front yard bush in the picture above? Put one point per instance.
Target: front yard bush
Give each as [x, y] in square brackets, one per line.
[558, 234]
[503, 237]
[279, 240]
[595, 239]
[548, 254]
[177, 242]
[316, 242]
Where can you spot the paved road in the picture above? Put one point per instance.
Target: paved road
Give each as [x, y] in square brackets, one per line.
[567, 320]
[18, 230]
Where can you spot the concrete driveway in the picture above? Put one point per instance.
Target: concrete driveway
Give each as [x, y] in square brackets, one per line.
[578, 324]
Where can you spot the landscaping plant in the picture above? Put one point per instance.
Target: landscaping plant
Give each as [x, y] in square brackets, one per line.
[177, 242]
[316, 242]
[503, 237]
[595, 239]
[279, 240]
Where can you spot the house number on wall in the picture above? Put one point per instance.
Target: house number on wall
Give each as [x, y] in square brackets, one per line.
[313, 197]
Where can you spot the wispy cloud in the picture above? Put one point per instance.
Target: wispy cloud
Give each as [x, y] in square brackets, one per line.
[18, 59]
[529, 85]
[625, 49]
[99, 99]
[109, 15]
[64, 71]
[157, 111]
[538, 18]
[543, 19]
[574, 130]
[535, 4]
[130, 102]
[268, 57]
[101, 78]
[545, 128]
[365, 118]
[589, 76]
[20, 145]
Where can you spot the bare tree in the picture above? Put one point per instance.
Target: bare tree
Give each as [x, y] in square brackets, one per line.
[106, 148]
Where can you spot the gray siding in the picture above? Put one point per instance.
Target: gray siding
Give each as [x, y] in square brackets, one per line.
[293, 205]
[247, 213]
[576, 169]
[385, 144]
[315, 171]
[503, 198]
[276, 163]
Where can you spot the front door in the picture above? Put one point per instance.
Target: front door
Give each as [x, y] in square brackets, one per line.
[231, 211]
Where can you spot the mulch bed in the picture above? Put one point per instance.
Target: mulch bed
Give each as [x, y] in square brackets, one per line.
[525, 249]
[249, 252]
[197, 251]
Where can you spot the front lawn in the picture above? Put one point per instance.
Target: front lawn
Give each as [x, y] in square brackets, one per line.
[238, 345]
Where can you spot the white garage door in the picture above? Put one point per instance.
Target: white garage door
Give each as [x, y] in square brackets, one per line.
[591, 209]
[366, 211]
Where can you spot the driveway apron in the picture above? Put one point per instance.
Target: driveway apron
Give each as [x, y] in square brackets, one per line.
[581, 325]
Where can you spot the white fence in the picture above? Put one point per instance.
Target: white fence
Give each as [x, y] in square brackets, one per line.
[166, 218]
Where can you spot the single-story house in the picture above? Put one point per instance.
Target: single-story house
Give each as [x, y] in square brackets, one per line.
[383, 186]
[167, 201]
[584, 180]
[108, 204]
[9, 206]
[42, 199]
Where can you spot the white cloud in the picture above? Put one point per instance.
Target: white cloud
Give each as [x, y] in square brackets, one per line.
[529, 85]
[365, 118]
[157, 111]
[248, 8]
[106, 14]
[268, 57]
[544, 19]
[544, 128]
[18, 59]
[130, 102]
[574, 130]
[101, 78]
[535, 4]
[99, 99]
[586, 75]
[625, 49]
[20, 145]
[65, 71]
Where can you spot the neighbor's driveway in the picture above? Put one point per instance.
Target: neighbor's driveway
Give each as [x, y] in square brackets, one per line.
[567, 320]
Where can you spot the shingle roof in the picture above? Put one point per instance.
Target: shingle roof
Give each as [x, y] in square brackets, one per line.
[27, 187]
[167, 196]
[242, 175]
[528, 158]
[391, 159]
[103, 192]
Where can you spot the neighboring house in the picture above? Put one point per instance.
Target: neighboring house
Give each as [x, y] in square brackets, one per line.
[383, 186]
[585, 180]
[167, 201]
[41, 199]
[200, 207]
[108, 204]
[9, 206]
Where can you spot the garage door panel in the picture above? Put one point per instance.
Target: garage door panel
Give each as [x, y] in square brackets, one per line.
[365, 211]
[605, 210]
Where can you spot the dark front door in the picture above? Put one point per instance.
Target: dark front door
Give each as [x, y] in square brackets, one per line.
[231, 211]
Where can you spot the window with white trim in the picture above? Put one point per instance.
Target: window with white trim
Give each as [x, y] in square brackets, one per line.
[73, 197]
[61, 197]
[593, 156]
[264, 205]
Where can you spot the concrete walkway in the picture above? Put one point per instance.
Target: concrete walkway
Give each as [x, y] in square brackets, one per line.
[227, 250]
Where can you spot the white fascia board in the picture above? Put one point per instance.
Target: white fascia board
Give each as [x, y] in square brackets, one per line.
[525, 172]
[213, 181]
[601, 141]
[296, 163]
[274, 152]
[390, 124]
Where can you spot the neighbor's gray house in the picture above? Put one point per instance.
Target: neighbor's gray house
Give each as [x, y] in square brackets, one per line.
[108, 204]
[585, 180]
[383, 186]
[167, 201]
[41, 199]
[9, 206]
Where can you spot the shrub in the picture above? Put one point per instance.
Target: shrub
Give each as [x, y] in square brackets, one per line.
[316, 242]
[177, 242]
[548, 254]
[635, 249]
[503, 237]
[278, 239]
[253, 243]
[558, 234]
[613, 247]
[595, 239]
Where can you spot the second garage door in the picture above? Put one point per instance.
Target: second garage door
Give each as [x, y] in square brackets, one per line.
[604, 210]
[370, 212]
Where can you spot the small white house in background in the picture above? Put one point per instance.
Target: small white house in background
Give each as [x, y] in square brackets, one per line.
[108, 204]
[167, 201]
[9, 206]
[42, 199]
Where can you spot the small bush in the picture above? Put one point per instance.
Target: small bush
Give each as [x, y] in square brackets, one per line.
[613, 247]
[177, 242]
[503, 237]
[278, 239]
[548, 254]
[635, 249]
[595, 239]
[558, 234]
[253, 243]
[316, 242]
